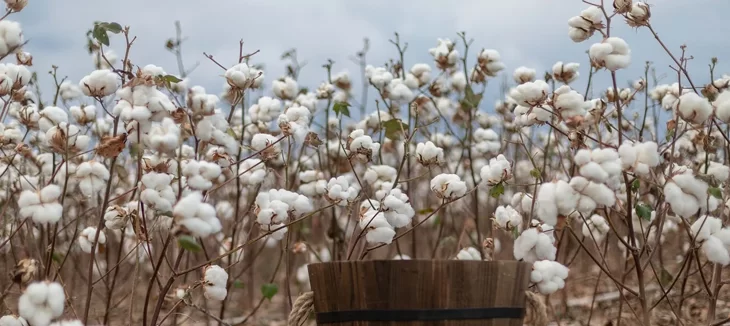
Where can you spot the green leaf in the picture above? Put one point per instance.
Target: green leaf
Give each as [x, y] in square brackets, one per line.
[715, 192]
[635, 185]
[497, 190]
[100, 35]
[643, 211]
[58, 258]
[171, 79]
[515, 233]
[268, 290]
[535, 173]
[394, 128]
[425, 211]
[471, 99]
[189, 243]
[665, 278]
[437, 220]
[341, 108]
[238, 284]
[113, 27]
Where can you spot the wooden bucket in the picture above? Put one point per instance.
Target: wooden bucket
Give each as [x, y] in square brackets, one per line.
[419, 292]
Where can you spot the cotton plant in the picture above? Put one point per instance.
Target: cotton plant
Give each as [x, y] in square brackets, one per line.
[549, 276]
[396, 207]
[595, 227]
[486, 141]
[361, 146]
[42, 302]
[215, 281]
[429, 154]
[193, 216]
[564, 72]
[444, 54]
[535, 243]
[43, 206]
[88, 238]
[157, 191]
[92, 177]
[377, 228]
[507, 218]
[341, 191]
[277, 205]
[523, 75]
[686, 194]
[583, 26]
[199, 175]
[469, 253]
[295, 121]
[12, 320]
[639, 158]
[713, 238]
[66, 138]
[448, 186]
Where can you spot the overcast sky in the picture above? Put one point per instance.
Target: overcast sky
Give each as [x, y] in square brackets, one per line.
[532, 33]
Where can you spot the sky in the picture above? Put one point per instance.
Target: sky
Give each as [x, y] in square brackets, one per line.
[531, 33]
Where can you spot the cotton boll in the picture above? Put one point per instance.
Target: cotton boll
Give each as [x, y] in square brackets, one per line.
[379, 77]
[378, 228]
[717, 170]
[215, 280]
[545, 206]
[533, 245]
[582, 27]
[41, 302]
[43, 206]
[448, 186]
[498, 170]
[458, 81]
[399, 92]
[613, 54]
[693, 108]
[339, 191]
[427, 153]
[638, 15]
[241, 76]
[396, 208]
[566, 72]
[596, 227]
[722, 106]
[469, 253]
[99, 83]
[11, 36]
[639, 157]
[507, 218]
[86, 239]
[285, 88]
[193, 216]
[549, 275]
[51, 116]
[362, 146]
[523, 75]
[444, 54]
[10, 320]
[716, 251]
[704, 227]
[530, 94]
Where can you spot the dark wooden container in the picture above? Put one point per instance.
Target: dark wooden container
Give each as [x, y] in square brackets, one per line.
[419, 292]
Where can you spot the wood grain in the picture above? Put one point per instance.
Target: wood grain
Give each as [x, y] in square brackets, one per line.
[419, 284]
